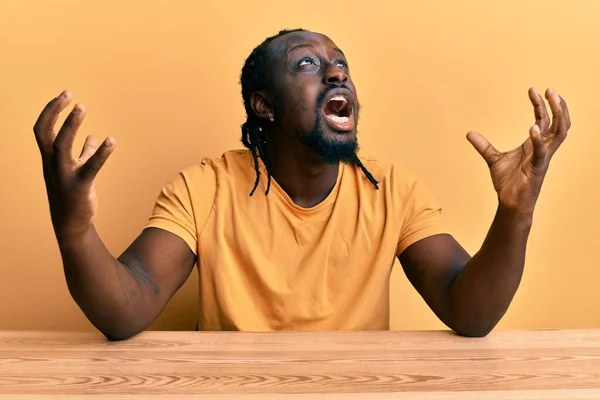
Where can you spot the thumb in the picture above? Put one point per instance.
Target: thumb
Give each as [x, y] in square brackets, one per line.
[539, 148]
[483, 147]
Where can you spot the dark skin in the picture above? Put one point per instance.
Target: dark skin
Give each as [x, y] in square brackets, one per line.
[122, 296]
[307, 64]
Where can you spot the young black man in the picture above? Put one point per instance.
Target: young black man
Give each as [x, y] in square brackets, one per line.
[296, 232]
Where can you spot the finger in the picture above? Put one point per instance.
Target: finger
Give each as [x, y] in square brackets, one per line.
[539, 110]
[63, 144]
[557, 112]
[89, 170]
[89, 148]
[44, 125]
[484, 147]
[566, 114]
[538, 160]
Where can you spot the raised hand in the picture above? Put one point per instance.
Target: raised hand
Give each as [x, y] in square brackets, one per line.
[69, 180]
[518, 174]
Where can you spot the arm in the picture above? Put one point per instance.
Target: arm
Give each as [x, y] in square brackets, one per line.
[470, 295]
[120, 297]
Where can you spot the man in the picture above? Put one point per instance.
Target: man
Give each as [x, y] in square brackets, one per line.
[297, 232]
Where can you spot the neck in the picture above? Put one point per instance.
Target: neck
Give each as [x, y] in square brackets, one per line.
[305, 178]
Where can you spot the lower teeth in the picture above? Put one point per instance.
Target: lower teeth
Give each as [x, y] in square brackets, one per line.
[339, 120]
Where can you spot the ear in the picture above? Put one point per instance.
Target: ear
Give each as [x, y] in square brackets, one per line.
[260, 104]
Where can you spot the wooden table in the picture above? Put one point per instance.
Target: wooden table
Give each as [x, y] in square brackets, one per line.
[549, 364]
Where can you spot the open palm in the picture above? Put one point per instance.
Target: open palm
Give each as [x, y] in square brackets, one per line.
[518, 174]
[69, 180]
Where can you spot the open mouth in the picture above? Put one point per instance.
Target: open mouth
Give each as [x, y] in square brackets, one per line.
[338, 112]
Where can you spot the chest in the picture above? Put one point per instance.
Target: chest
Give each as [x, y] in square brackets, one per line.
[346, 234]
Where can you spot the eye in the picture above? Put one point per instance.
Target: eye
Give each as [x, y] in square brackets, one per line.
[306, 61]
[341, 64]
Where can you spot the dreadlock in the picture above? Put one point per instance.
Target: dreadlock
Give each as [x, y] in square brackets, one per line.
[255, 77]
[365, 171]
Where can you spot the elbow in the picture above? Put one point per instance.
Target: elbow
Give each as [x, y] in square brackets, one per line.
[470, 323]
[118, 334]
[120, 327]
[117, 337]
[471, 326]
[474, 329]
[473, 332]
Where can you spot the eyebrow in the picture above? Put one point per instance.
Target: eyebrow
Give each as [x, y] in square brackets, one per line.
[303, 45]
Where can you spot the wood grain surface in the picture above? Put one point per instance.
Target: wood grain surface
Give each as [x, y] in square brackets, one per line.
[548, 364]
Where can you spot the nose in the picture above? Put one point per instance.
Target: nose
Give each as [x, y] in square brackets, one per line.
[334, 75]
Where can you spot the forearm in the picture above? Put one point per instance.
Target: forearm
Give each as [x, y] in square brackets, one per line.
[113, 297]
[482, 291]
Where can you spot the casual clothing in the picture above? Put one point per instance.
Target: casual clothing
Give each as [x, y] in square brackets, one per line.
[267, 264]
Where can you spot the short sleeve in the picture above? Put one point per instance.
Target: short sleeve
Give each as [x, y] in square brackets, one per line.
[420, 214]
[184, 204]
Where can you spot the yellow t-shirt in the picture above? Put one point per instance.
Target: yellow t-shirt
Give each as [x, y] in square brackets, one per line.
[267, 264]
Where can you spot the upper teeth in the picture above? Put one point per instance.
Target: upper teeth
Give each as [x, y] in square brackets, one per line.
[338, 98]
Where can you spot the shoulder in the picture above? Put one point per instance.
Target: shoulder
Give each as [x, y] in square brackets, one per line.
[220, 177]
[398, 185]
[231, 163]
[229, 160]
[390, 175]
[201, 181]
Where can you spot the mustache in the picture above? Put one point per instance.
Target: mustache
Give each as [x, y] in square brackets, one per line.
[323, 94]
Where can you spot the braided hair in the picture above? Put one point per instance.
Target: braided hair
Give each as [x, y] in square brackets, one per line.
[255, 77]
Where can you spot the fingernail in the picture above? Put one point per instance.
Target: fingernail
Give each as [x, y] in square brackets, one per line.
[109, 142]
[64, 94]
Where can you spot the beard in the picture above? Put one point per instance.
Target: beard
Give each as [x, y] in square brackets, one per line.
[331, 151]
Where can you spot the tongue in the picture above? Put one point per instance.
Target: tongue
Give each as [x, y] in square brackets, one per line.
[335, 107]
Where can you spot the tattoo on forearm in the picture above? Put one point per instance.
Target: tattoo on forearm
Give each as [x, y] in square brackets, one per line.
[137, 277]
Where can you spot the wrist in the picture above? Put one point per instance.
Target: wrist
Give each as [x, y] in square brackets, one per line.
[70, 239]
[514, 216]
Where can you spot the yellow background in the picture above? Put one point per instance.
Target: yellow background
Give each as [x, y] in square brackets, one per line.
[162, 78]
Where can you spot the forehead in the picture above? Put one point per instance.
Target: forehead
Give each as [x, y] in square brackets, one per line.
[283, 44]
